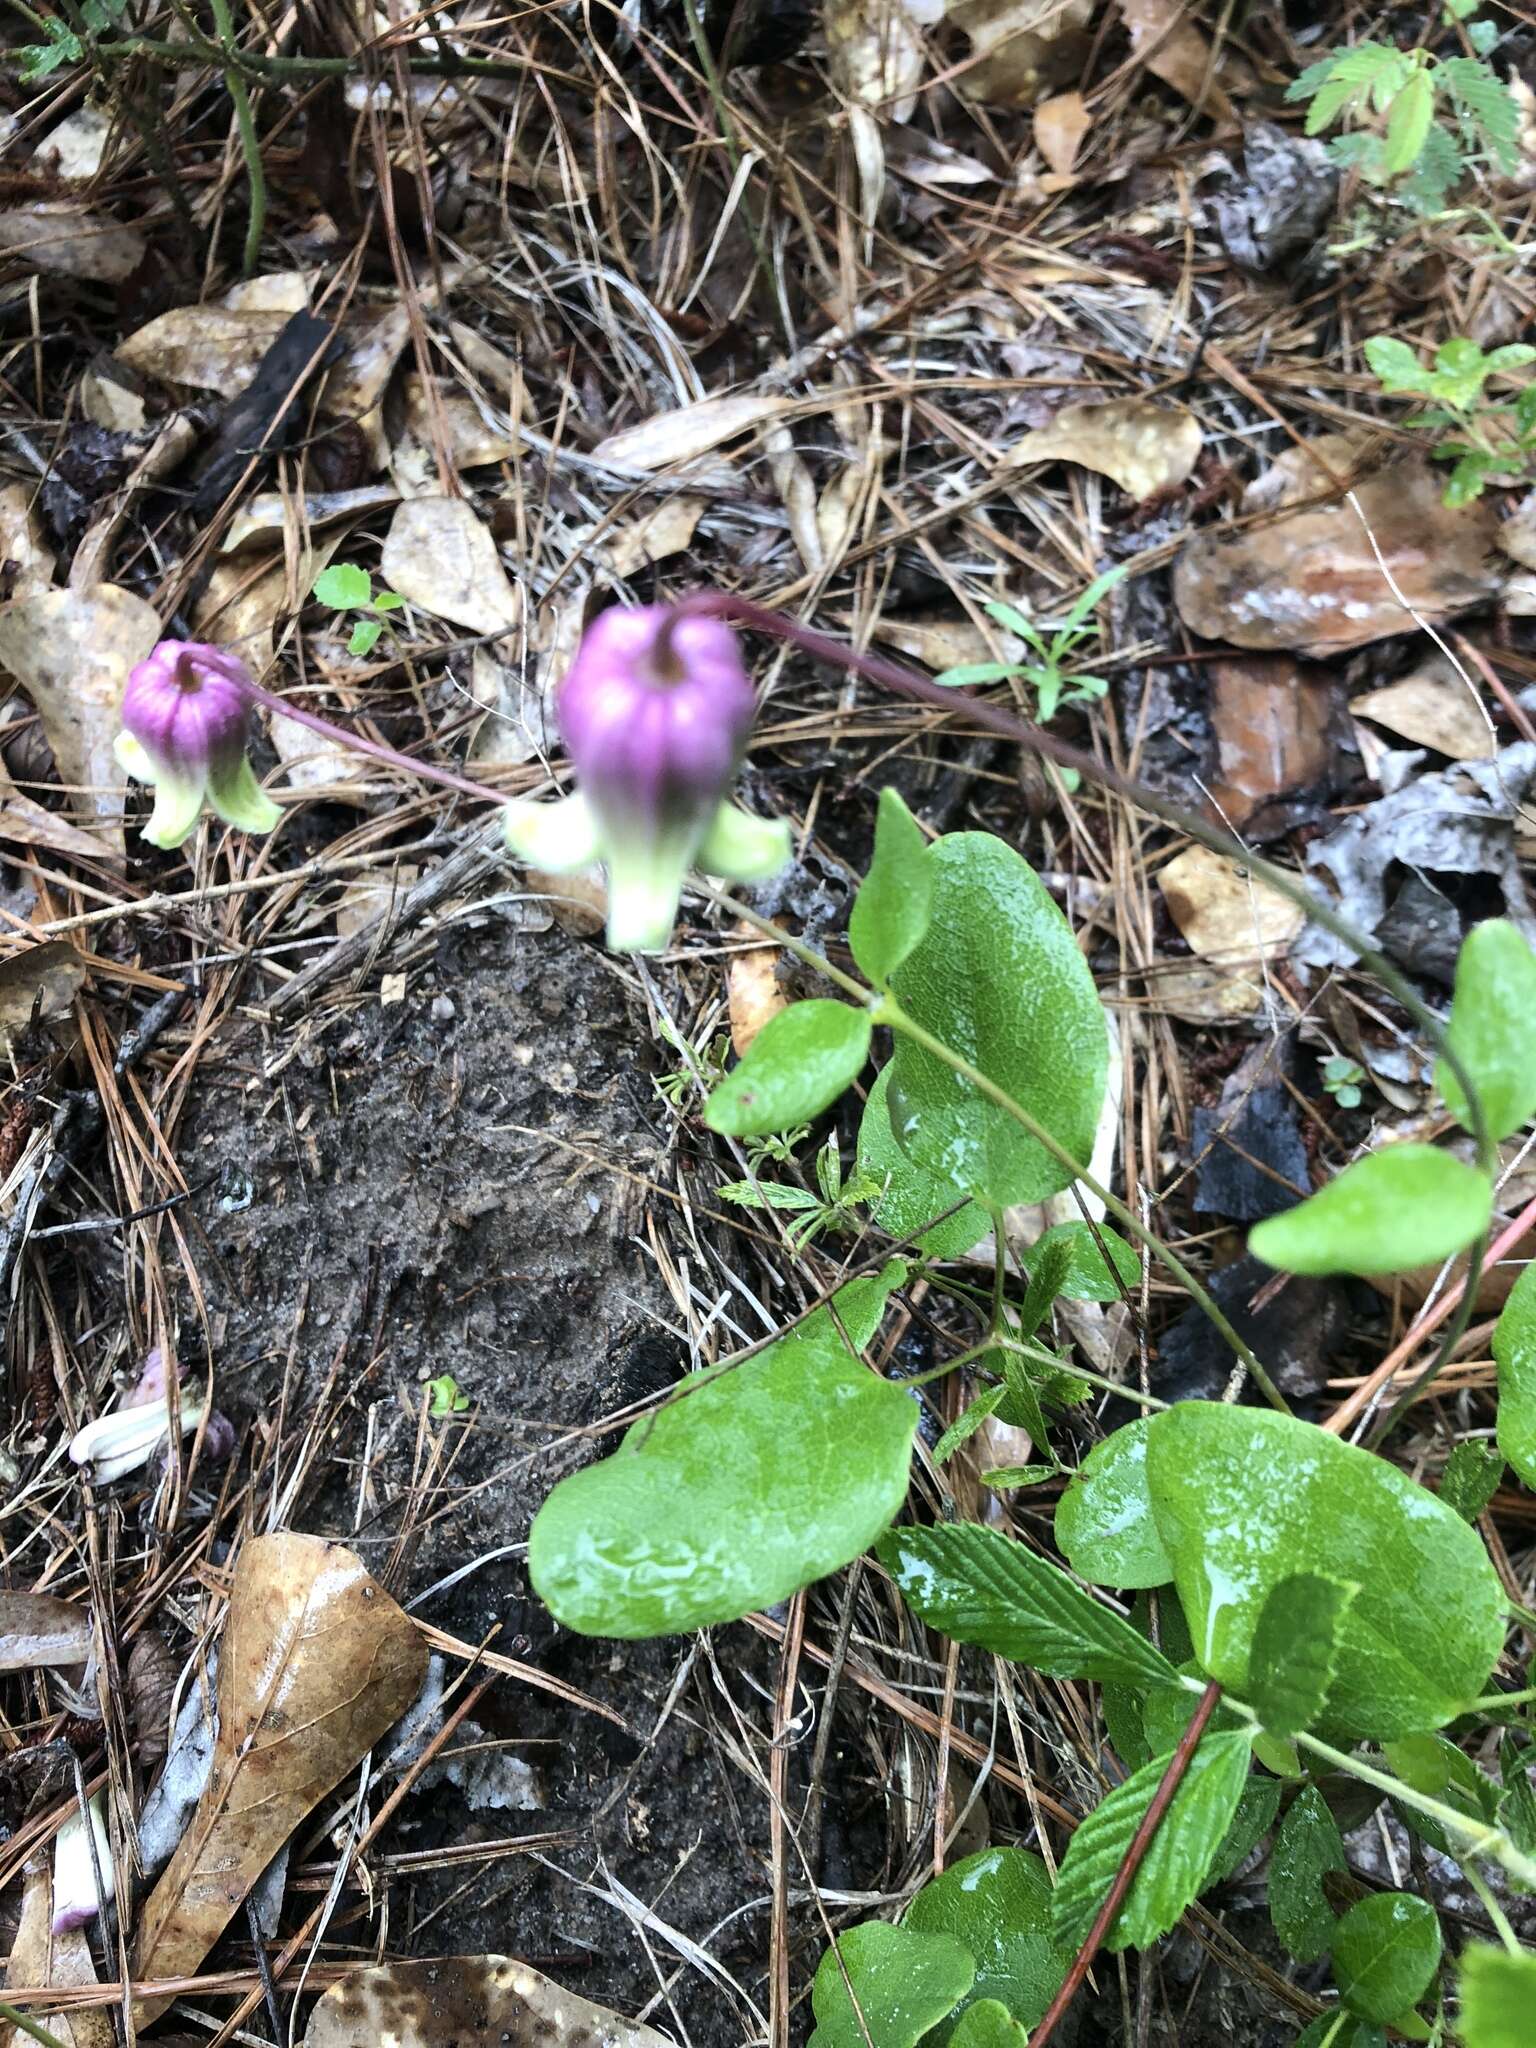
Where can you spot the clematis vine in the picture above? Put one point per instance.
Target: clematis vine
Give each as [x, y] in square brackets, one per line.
[655, 711]
[186, 726]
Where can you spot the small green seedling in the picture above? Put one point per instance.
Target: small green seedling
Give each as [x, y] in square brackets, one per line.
[445, 1397]
[704, 1069]
[831, 1210]
[1494, 438]
[64, 44]
[347, 588]
[1342, 1078]
[1047, 674]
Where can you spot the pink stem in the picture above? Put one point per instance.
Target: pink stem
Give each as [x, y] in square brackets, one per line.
[375, 749]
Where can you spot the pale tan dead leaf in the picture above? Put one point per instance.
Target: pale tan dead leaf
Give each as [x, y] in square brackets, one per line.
[274, 291]
[517, 725]
[317, 1663]
[61, 240]
[171, 445]
[208, 348]
[471, 2001]
[875, 51]
[372, 342]
[690, 431]
[24, 822]
[1061, 122]
[1433, 708]
[452, 416]
[439, 554]
[1144, 448]
[38, 1632]
[665, 530]
[1173, 49]
[61, 1961]
[1234, 923]
[1018, 43]
[109, 401]
[267, 515]
[1517, 535]
[753, 990]
[925, 160]
[948, 642]
[71, 651]
[29, 561]
[40, 983]
[72, 152]
[578, 904]
[1319, 468]
[797, 492]
[370, 898]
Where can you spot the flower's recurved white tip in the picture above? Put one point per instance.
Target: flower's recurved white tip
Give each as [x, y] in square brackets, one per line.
[741, 848]
[121, 1442]
[239, 798]
[645, 884]
[559, 837]
[75, 1896]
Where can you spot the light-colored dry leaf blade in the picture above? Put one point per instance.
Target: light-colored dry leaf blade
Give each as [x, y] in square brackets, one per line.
[209, 348]
[71, 651]
[1224, 914]
[1015, 46]
[60, 239]
[1143, 447]
[38, 1632]
[317, 1663]
[439, 554]
[29, 560]
[665, 530]
[875, 53]
[472, 2001]
[1433, 708]
[690, 431]
[1173, 49]
[41, 1959]
[1060, 124]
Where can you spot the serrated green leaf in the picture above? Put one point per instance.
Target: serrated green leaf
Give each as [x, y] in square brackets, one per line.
[387, 601]
[1047, 1276]
[1498, 1997]
[1307, 1848]
[891, 910]
[1514, 1351]
[1493, 1028]
[1008, 1476]
[1471, 1478]
[1296, 1650]
[1347, 79]
[1433, 1765]
[966, 1425]
[1488, 104]
[342, 586]
[859, 1305]
[980, 1587]
[1386, 1950]
[1105, 1528]
[676, 1531]
[797, 1066]
[1088, 1277]
[767, 1194]
[1404, 1206]
[1178, 1862]
[1253, 1820]
[1396, 366]
[998, 1905]
[1244, 1498]
[902, 1984]
[364, 636]
[912, 1197]
[999, 979]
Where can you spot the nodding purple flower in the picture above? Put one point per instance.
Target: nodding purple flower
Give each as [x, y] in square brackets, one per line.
[655, 710]
[187, 721]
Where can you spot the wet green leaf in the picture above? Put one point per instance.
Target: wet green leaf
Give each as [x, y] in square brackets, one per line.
[1386, 1951]
[913, 1197]
[1498, 1997]
[988, 2024]
[1105, 1528]
[1514, 1350]
[1307, 1847]
[902, 1984]
[1405, 1206]
[343, 586]
[1000, 980]
[998, 1904]
[1244, 1498]
[1471, 1478]
[1296, 1650]
[1340, 2030]
[1493, 1028]
[797, 1066]
[891, 910]
[1089, 1276]
[860, 1305]
[730, 1498]
[1178, 1862]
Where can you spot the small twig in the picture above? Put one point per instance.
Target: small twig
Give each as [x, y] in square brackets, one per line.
[1125, 1876]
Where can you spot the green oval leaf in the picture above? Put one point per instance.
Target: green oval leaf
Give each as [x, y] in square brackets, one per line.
[1296, 1650]
[891, 910]
[1514, 1351]
[798, 1064]
[730, 1498]
[901, 1984]
[1105, 1528]
[1493, 1028]
[998, 1903]
[1408, 124]
[980, 1587]
[1089, 1276]
[1498, 1996]
[1245, 1498]
[913, 1197]
[1405, 1206]
[1307, 1848]
[342, 586]
[1339, 2030]
[1386, 1951]
[988, 2023]
[998, 979]
[1178, 1863]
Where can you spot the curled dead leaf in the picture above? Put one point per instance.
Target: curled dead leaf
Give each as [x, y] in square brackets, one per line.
[439, 554]
[1432, 708]
[875, 48]
[472, 2001]
[60, 239]
[690, 431]
[665, 530]
[753, 990]
[29, 561]
[1060, 124]
[1144, 448]
[1174, 50]
[317, 1663]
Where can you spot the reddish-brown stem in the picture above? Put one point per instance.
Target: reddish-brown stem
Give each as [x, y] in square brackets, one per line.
[1141, 1841]
[375, 749]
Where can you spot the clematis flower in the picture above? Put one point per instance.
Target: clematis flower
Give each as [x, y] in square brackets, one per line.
[75, 1897]
[655, 711]
[186, 718]
[128, 1437]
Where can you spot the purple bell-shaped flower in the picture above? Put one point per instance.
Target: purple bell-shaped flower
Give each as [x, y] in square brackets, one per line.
[186, 719]
[655, 710]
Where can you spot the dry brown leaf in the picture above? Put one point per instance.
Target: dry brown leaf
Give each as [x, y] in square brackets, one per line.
[517, 725]
[754, 991]
[274, 291]
[578, 903]
[71, 651]
[1310, 580]
[690, 431]
[1016, 47]
[1272, 727]
[1517, 536]
[1433, 708]
[471, 2001]
[38, 1632]
[108, 399]
[1234, 923]
[1174, 50]
[25, 823]
[1323, 467]
[72, 152]
[317, 1662]
[61, 1961]
[469, 441]
[664, 531]
[266, 516]
[1060, 125]
[1144, 448]
[29, 561]
[59, 238]
[876, 54]
[948, 642]
[439, 554]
